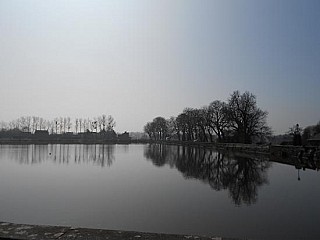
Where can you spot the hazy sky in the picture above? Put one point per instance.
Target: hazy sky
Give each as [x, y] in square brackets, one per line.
[137, 60]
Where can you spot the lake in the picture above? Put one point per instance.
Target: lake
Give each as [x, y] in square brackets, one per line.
[158, 188]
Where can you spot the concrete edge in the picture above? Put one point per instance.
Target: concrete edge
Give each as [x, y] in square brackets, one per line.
[37, 232]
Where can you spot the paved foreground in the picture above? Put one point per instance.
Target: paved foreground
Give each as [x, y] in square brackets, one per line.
[23, 231]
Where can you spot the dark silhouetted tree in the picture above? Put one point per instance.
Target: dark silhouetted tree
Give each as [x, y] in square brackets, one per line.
[148, 129]
[245, 118]
[217, 118]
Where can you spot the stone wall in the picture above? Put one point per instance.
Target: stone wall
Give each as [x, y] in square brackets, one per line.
[248, 148]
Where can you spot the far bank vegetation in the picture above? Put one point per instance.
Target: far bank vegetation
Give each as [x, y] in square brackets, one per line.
[60, 125]
[237, 120]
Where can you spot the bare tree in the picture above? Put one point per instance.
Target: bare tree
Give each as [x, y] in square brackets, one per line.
[190, 121]
[99, 123]
[149, 129]
[50, 126]
[95, 124]
[245, 118]
[173, 129]
[68, 124]
[104, 121]
[28, 123]
[46, 124]
[201, 123]
[86, 124]
[35, 123]
[238, 120]
[80, 124]
[77, 125]
[3, 126]
[161, 128]
[157, 129]
[12, 125]
[21, 122]
[110, 123]
[61, 124]
[64, 124]
[56, 124]
[90, 125]
[182, 124]
[217, 118]
[41, 123]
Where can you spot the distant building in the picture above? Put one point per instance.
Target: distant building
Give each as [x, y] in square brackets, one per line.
[87, 135]
[108, 135]
[27, 135]
[124, 137]
[41, 134]
[69, 136]
[14, 134]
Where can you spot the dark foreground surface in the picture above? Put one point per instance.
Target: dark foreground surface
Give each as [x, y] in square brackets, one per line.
[22, 231]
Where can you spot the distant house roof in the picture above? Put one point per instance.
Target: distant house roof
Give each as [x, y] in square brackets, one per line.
[124, 136]
[41, 132]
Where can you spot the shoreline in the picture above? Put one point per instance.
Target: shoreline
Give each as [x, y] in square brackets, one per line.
[37, 232]
[248, 148]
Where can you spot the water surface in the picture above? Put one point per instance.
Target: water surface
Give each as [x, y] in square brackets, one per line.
[158, 188]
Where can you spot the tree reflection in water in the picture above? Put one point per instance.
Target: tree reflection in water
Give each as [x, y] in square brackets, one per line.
[98, 154]
[240, 175]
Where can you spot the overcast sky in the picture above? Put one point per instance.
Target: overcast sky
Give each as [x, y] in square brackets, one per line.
[137, 60]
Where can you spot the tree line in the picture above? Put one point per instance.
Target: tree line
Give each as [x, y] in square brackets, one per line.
[310, 131]
[60, 125]
[237, 120]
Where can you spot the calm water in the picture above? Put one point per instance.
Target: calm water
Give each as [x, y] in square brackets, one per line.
[157, 188]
